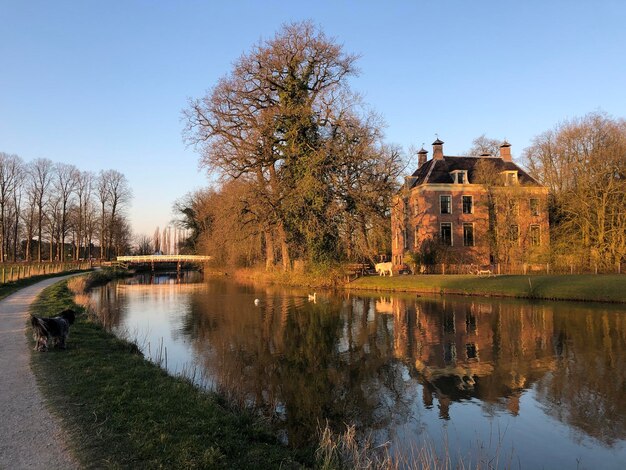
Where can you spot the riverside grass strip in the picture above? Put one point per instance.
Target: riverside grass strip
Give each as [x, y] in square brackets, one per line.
[584, 287]
[122, 411]
[9, 288]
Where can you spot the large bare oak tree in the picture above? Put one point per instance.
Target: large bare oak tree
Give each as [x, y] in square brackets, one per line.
[285, 123]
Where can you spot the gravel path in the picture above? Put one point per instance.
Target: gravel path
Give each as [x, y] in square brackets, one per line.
[30, 437]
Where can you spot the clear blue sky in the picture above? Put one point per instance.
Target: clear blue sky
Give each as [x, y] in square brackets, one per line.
[101, 84]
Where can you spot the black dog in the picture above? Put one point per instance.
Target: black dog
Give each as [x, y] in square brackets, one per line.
[56, 329]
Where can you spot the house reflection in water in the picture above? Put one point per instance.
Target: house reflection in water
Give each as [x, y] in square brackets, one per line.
[572, 354]
[462, 350]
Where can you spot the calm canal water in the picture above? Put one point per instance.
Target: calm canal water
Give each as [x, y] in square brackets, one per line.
[531, 384]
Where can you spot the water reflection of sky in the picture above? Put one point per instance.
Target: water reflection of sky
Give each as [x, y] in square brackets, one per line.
[531, 384]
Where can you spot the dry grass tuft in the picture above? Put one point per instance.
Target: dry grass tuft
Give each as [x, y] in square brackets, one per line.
[338, 451]
[77, 285]
[344, 450]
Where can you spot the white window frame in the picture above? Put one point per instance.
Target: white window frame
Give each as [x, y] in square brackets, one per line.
[513, 206]
[511, 178]
[465, 179]
[441, 224]
[455, 176]
[517, 238]
[415, 207]
[415, 236]
[463, 206]
[530, 206]
[530, 237]
[473, 233]
[441, 196]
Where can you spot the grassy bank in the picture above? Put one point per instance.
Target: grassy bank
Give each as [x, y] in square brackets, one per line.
[583, 287]
[600, 288]
[8, 288]
[122, 411]
[314, 276]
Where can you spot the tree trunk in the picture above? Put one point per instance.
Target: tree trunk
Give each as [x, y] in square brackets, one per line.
[3, 234]
[269, 250]
[39, 224]
[284, 247]
[102, 234]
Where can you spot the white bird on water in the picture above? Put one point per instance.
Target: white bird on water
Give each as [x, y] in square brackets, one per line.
[313, 298]
[257, 302]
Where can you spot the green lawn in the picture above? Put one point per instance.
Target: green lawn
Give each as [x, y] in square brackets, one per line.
[602, 288]
[124, 412]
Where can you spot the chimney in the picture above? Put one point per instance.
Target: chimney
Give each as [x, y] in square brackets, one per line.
[422, 157]
[505, 151]
[437, 149]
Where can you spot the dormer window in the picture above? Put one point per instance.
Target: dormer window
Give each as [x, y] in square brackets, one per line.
[459, 177]
[510, 178]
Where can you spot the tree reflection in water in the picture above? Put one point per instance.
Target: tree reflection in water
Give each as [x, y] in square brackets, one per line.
[383, 362]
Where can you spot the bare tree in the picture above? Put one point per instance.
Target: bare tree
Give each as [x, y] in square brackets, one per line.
[65, 183]
[120, 195]
[52, 223]
[195, 217]
[91, 225]
[583, 163]
[40, 174]
[10, 174]
[277, 124]
[84, 183]
[484, 146]
[48, 201]
[29, 217]
[122, 236]
[17, 208]
[104, 197]
[144, 244]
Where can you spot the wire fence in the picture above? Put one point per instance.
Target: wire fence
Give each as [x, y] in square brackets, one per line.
[519, 269]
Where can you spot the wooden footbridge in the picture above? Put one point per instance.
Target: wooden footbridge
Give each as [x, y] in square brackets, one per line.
[126, 261]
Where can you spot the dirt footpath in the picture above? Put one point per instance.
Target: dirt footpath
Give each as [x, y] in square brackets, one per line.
[30, 437]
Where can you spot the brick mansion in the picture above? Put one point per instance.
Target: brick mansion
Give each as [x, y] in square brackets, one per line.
[480, 210]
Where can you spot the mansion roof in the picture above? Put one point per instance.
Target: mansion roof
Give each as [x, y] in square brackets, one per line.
[438, 171]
